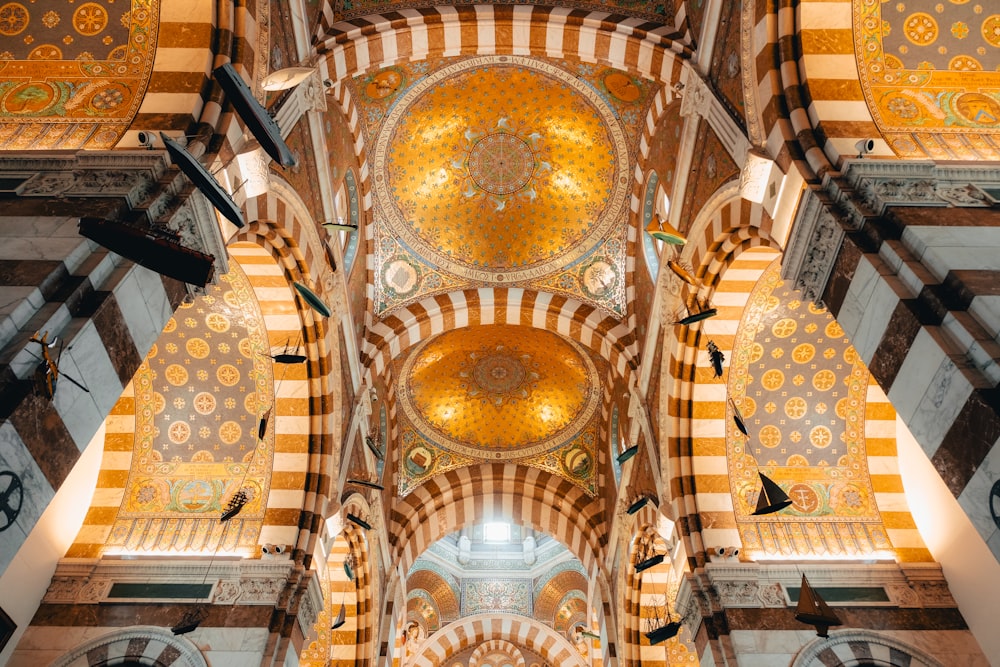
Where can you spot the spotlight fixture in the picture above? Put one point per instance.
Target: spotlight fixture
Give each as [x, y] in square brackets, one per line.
[865, 146]
[627, 454]
[358, 521]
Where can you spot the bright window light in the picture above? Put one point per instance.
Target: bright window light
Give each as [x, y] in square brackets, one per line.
[496, 532]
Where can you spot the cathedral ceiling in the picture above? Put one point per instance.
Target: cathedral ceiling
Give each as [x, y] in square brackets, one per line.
[926, 71]
[501, 171]
[498, 393]
[72, 74]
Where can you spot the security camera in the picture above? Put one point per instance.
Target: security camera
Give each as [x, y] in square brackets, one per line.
[731, 552]
[272, 549]
[865, 146]
[147, 139]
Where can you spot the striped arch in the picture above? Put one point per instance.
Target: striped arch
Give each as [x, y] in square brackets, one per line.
[554, 591]
[727, 227]
[641, 47]
[443, 592]
[284, 228]
[143, 645]
[478, 628]
[854, 647]
[583, 323]
[354, 642]
[526, 496]
[496, 646]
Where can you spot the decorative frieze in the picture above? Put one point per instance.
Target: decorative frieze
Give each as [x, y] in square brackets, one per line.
[244, 582]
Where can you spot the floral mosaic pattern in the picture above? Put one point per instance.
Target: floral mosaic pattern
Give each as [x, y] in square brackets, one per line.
[494, 190]
[498, 393]
[909, 55]
[72, 75]
[200, 396]
[801, 389]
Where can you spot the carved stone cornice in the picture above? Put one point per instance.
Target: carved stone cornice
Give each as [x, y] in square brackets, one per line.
[813, 247]
[245, 582]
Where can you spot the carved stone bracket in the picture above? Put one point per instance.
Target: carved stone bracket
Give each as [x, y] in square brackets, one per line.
[813, 248]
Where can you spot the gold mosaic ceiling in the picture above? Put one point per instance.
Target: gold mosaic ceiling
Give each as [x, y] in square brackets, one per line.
[498, 390]
[501, 169]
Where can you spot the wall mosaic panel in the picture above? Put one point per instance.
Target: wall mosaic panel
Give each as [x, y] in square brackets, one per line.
[801, 389]
[929, 75]
[512, 596]
[200, 395]
[72, 75]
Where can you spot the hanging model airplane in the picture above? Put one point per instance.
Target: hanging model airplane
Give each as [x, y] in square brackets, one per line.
[50, 365]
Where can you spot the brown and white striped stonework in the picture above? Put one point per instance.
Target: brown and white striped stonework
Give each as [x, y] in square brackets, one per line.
[913, 283]
[473, 630]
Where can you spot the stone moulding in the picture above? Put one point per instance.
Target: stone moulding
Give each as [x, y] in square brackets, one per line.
[245, 582]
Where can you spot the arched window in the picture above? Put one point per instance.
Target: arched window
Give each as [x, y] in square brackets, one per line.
[650, 249]
[615, 445]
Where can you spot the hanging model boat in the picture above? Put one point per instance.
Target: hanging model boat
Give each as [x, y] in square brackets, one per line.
[204, 181]
[312, 299]
[661, 230]
[771, 498]
[812, 609]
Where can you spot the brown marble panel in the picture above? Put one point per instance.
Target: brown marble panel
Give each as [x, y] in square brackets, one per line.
[163, 615]
[899, 334]
[117, 339]
[28, 271]
[872, 618]
[969, 439]
[136, 647]
[935, 216]
[843, 271]
[45, 435]
[968, 284]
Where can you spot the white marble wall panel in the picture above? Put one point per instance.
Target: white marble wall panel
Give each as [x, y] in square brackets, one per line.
[975, 499]
[874, 321]
[88, 362]
[929, 391]
[986, 310]
[36, 492]
[859, 293]
[144, 305]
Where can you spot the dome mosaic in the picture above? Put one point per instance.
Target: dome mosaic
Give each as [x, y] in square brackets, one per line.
[498, 391]
[484, 174]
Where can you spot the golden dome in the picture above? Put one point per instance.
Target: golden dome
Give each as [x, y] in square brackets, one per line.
[504, 164]
[501, 391]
